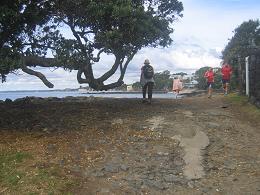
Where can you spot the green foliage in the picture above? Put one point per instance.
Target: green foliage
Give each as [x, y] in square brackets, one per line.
[243, 104]
[17, 175]
[122, 87]
[180, 73]
[246, 38]
[9, 175]
[121, 28]
[162, 80]
[137, 86]
[199, 75]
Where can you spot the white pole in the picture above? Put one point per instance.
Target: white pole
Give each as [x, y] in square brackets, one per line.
[247, 75]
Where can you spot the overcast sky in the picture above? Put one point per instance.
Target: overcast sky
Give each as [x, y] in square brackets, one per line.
[199, 38]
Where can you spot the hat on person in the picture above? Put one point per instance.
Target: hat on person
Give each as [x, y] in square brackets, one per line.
[146, 61]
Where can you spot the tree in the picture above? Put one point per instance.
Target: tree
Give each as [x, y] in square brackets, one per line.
[162, 80]
[245, 40]
[199, 76]
[31, 29]
[137, 86]
[181, 73]
[246, 36]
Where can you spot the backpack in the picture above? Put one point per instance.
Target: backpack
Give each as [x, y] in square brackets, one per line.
[148, 71]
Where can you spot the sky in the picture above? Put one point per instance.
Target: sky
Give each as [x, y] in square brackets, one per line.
[198, 39]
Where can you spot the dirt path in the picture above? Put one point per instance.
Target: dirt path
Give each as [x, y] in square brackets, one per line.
[119, 146]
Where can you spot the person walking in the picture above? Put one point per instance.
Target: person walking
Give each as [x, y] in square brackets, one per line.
[177, 86]
[147, 81]
[209, 75]
[226, 71]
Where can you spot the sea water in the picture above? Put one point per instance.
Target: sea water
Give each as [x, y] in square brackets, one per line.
[61, 94]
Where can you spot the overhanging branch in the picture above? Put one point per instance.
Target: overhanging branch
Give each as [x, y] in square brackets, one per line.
[38, 61]
[39, 75]
[96, 59]
[80, 79]
[109, 73]
[33, 61]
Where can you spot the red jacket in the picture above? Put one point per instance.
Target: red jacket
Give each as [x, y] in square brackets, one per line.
[210, 76]
[226, 72]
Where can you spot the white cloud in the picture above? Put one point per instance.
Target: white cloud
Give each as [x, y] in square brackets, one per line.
[199, 38]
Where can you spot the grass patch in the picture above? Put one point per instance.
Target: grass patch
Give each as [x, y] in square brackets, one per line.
[238, 98]
[243, 104]
[18, 175]
[9, 175]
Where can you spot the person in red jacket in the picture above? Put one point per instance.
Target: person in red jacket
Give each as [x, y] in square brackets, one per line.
[226, 71]
[209, 75]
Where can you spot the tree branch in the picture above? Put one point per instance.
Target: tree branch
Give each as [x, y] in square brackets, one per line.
[39, 75]
[112, 85]
[96, 59]
[39, 61]
[123, 70]
[109, 73]
[80, 79]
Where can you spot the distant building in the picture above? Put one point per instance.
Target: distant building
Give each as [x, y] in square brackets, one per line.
[191, 84]
[84, 89]
[129, 88]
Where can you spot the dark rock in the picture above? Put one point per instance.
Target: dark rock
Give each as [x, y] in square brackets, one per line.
[213, 125]
[36, 99]
[89, 147]
[70, 99]
[171, 178]
[53, 99]
[51, 148]
[190, 184]
[178, 161]
[103, 191]
[76, 169]
[156, 184]
[228, 164]
[206, 190]
[25, 100]
[62, 162]
[7, 101]
[98, 174]
[137, 184]
[102, 141]
[112, 168]
[124, 167]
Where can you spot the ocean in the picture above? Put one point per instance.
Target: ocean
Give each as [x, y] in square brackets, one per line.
[61, 94]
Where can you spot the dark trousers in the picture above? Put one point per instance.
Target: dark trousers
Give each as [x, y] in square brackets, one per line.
[148, 85]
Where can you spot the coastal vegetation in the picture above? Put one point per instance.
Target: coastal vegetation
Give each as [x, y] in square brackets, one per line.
[245, 41]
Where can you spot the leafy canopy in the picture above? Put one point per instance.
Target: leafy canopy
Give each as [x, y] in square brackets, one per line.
[246, 37]
[31, 29]
[245, 41]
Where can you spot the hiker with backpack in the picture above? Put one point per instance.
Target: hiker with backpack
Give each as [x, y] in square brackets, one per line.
[147, 81]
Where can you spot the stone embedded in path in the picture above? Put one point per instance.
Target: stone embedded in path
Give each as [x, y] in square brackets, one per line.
[212, 125]
[171, 178]
[112, 168]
